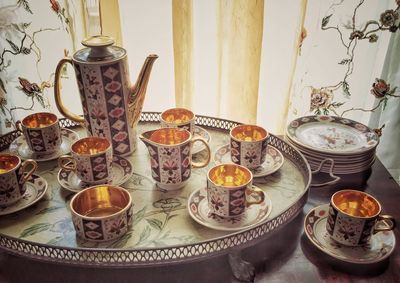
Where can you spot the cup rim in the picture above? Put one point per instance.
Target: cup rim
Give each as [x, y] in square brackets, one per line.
[16, 166]
[37, 113]
[172, 129]
[193, 116]
[88, 154]
[361, 192]
[230, 187]
[125, 208]
[245, 125]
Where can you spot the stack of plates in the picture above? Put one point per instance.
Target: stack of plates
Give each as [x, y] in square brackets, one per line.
[351, 145]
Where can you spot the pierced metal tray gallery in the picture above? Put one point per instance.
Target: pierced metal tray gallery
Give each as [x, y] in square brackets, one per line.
[162, 232]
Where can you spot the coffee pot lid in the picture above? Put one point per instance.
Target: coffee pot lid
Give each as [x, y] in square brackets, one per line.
[99, 48]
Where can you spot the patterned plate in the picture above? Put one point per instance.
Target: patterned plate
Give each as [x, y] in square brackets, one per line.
[380, 247]
[36, 188]
[200, 132]
[199, 211]
[273, 161]
[121, 170]
[20, 147]
[329, 134]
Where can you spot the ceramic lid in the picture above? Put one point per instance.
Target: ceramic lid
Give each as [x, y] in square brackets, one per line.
[99, 48]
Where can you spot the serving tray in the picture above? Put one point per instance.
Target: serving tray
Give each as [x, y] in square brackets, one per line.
[162, 231]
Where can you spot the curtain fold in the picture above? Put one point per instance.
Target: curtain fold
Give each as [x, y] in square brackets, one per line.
[388, 150]
[182, 26]
[240, 30]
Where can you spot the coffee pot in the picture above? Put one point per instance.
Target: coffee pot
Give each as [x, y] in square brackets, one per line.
[111, 105]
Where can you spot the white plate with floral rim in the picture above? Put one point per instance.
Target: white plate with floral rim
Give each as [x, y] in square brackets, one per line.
[273, 160]
[200, 132]
[36, 188]
[380, 246]
[122, 170]
[330, 134]
[200, 212]
[20, 147]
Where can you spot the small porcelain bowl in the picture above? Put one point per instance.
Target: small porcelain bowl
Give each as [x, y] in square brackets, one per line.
[101, 213]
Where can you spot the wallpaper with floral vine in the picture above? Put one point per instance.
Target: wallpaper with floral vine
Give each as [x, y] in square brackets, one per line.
[34, 35]
[334, 72]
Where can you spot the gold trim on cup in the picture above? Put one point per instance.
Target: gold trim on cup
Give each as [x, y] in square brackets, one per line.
[177, 114]
[346, 200]
[9, 163]
[253, 133]
[46, 118]
[83, 146]
[165, 136]
[230, 169]
[100, 202]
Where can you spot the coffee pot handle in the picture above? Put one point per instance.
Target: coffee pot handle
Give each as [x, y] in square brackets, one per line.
[57, 93]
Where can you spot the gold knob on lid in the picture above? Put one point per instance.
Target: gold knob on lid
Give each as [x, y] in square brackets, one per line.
[98, 41]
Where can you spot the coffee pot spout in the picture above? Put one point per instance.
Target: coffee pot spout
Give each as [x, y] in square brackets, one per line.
[138, 91]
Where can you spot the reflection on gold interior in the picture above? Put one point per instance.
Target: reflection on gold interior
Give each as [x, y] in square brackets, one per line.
[229, 175]
[90, 145]
[177, 115]
[100, 201]
[356, 204]
[7, 163]
[39, 120]
[249, 133]
[169, 136]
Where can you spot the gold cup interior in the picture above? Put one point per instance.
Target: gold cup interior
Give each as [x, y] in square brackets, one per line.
[39, 120]
[177, 115]
[170, 136]
[100, 201]
[90, 145]
[356, 203]
[229, 175]
[8, 162]
[248, 133]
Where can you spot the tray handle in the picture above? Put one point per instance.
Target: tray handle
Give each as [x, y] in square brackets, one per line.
[335, 178]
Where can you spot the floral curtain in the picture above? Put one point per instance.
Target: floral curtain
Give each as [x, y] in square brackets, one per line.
[34, 36]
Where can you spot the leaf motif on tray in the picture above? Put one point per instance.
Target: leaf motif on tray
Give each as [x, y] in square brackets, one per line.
[37, 228]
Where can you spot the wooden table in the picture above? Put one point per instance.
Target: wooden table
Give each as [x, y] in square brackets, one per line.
[285, 256]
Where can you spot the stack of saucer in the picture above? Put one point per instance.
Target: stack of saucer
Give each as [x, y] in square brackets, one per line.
[351, 145]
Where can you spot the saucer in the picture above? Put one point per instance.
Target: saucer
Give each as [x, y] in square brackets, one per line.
[380, 246]
[20, 147]
[200, 132]
[121, 171]
[36, 188]
[273, 161]
[199, 211]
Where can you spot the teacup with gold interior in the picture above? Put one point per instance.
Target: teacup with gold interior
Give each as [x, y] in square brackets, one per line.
[14, 174]
[248, 145]
[91, 159]
[42, 132]
[354, 216]
[178, 118]
[229, 190]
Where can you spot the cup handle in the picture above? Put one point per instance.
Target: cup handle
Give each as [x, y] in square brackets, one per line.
[389, 221]
[18, 125]
[67, 162]
[255, 191]
[57, 93]
[203, 163]
[25, 164]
